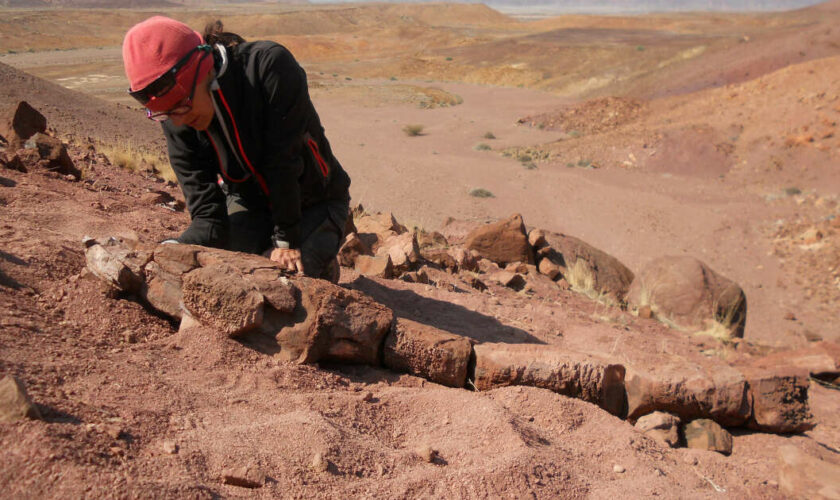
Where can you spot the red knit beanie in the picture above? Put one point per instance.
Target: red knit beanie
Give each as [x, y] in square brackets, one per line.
[152, 47]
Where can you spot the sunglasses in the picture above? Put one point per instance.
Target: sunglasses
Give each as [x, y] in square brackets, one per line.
[167, 82]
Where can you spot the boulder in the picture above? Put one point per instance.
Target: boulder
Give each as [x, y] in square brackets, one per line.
[20, 122]
[779, 399]
[455, 231]
[689, 391]
[379, 267]
[502, 242]
[805, 476]
[330, 324]
[352, 248]
[705, 434]
[15, 404]
[564, 372]
[53, 154]
[402, 249]
[690, 295]
[586, 268]
[219, 296]
[427, 352]
[662, 427]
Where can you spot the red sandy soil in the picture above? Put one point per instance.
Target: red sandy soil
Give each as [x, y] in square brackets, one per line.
[118, 385]
[699, 173]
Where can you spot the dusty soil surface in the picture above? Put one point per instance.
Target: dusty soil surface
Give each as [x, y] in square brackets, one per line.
[738, 170]
[133, 408]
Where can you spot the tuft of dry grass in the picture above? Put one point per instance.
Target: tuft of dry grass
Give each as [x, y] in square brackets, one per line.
[413, 130]
[126, 155]
[481, 193]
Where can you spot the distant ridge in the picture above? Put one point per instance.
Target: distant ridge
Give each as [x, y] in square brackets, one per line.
[630, 6]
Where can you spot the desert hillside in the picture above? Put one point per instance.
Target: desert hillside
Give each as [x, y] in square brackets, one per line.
[591, 256]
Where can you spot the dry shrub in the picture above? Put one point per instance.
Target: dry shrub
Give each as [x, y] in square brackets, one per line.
[481, 193]
[413, 130]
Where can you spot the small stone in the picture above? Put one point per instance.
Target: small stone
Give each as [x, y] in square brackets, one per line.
[368, 397]
[14, 402]
[645, 312]
[319, 463]
[661, 426]
[170, 447]
[790, 316]
[706, 434]
[618, 469]
[244, 477]
[130, 337]
[773, 484]
[549, 268]
[537, 238]
[426, 453]
[114, 431]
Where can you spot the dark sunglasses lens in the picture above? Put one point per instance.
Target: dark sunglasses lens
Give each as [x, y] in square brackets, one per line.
[157, 88]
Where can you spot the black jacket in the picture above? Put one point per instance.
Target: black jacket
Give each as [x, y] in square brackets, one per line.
[266, 141]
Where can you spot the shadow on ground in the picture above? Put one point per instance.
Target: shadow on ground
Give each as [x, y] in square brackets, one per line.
[443, 315]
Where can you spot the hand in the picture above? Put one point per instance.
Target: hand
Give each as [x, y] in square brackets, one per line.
[288, 258]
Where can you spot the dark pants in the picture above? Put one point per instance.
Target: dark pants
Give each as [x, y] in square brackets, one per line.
[321, 230]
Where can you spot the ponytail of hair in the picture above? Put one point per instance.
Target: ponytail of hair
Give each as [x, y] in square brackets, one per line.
[214, 33]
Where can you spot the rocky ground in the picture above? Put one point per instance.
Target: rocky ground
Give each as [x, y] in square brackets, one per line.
[127, 404]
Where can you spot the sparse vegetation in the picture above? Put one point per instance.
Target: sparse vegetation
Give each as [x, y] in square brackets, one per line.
[448, 58]
[482, 147]
[792, 191]
[481, 193]
[489, 135]
[524, 158]
[530, 165]
[413, 130]
[126, 155]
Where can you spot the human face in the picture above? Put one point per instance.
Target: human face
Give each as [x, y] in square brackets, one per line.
[201, 111]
